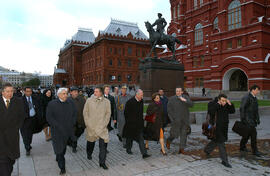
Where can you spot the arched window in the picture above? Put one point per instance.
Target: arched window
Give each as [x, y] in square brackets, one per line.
[215, 23]
[234, 15]
[198, 34]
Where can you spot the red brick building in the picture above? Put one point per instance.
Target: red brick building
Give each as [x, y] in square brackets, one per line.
[68, 70]
[227, 43]
[110, 58]
[113, 58]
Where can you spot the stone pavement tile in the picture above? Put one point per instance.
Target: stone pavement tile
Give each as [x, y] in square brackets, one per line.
[42, 160]
[26, 166]
[79, 174]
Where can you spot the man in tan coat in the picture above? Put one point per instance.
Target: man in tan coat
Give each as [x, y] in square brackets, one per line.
[97, 113]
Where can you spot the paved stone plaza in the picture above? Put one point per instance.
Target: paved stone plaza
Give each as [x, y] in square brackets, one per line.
[42, 160]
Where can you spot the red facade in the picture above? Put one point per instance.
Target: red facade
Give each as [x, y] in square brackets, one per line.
[70, 60]
[227, 43]
[113, 60]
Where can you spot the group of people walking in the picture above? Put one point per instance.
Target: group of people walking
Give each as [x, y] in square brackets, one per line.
[65, 118]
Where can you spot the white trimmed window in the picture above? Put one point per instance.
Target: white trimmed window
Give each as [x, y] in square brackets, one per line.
[195, 4]
[201, 3]
[234, 15]
[178, 10]
[198, 34]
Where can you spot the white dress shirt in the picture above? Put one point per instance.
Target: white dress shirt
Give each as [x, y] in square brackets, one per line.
[5, 101]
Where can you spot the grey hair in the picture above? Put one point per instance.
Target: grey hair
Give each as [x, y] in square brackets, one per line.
[61, 89]
[138, 91]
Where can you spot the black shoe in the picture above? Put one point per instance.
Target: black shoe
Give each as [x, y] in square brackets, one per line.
[129, 152]
[63, 171]
[145, 156]
[226, 164]
[119, 137]
[125, 146]
[27, 152]
[244, 150]
[257, 153]
[74, 150]
[103, 166]
[89, 157]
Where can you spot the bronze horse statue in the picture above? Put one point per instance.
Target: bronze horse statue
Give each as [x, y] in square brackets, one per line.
[157, 39]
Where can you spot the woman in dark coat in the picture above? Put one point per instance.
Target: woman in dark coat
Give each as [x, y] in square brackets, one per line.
[154, 131]
[45, 99]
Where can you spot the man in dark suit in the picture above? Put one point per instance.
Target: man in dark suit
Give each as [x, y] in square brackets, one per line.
[62, 116]
[164, 100]
[32, 110]
[11, 119]
[113, 106]
[133, 129]
[249, 113]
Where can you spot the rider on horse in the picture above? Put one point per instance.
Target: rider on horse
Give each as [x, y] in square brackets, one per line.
[160, 23]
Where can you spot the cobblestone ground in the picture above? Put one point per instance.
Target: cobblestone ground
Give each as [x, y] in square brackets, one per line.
[42, 160]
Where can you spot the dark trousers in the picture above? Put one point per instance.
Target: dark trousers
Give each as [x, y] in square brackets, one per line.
[60, 158]
[6, 166]
[252, 133]
[27, 132]
[183, 136]
[140, 140]
[78, 132]
[222, 150]
[102, 150]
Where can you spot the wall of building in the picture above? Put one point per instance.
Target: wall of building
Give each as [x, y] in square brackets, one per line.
[113, 60]
[222, 50]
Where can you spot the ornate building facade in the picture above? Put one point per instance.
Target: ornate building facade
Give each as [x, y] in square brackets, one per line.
[68, 69]
[227, 43]
[111, 58]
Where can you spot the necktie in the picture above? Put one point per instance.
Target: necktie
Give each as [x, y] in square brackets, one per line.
[30, 103]
[7, 101]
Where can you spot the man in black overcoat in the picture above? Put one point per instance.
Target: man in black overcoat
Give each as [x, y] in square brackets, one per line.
[164, 100]
[249, 113]
[113, 106]
[11, 119]
[133, 129]
[33, 111]
[219, 111]
[62, 116]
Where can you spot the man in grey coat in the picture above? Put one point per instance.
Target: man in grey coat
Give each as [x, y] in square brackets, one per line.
[121, 101]
[178, 111]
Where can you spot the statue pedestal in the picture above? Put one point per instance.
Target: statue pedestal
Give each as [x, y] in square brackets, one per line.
[160, 73]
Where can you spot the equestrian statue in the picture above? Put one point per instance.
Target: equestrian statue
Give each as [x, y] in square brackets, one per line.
[157, 37]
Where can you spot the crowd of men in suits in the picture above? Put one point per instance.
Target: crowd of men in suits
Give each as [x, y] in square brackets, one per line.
[70, 114]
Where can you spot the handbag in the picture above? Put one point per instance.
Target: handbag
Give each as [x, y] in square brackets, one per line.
[207, 130]
[240, 128]
[150, 118]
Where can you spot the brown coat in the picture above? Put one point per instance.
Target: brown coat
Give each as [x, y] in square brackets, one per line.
[97, 113]
[152, 130]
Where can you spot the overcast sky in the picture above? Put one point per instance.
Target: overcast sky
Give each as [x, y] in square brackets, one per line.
[33, 31]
